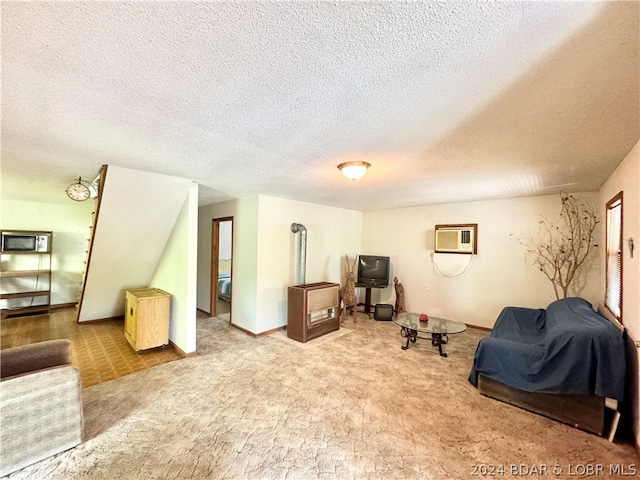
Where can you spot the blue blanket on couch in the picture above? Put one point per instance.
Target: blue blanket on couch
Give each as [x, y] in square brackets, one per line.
[567, 349]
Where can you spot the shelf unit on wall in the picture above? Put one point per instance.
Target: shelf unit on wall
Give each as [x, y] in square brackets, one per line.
[25, 276]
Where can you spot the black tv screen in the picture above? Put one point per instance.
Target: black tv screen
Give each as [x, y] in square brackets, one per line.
[373, 271]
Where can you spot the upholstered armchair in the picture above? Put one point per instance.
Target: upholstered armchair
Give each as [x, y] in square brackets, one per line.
[40, 403]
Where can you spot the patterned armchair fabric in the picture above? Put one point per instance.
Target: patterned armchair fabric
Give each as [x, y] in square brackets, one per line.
[40, 403]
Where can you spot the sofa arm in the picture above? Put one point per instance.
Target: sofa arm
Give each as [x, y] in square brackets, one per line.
[41, 416]
[35, 356]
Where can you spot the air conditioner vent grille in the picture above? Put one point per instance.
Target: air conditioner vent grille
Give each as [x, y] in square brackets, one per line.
[461, 238]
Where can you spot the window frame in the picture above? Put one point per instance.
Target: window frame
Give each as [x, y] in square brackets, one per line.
[615, 202]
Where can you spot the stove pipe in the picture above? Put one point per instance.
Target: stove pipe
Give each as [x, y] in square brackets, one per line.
[302, 251]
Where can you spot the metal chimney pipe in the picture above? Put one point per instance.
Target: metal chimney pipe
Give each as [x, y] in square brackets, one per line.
[302, 251]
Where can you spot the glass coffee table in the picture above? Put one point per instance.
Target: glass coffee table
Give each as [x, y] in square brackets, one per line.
[438, 327]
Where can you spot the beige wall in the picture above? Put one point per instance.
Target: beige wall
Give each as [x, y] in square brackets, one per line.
[138, 211]
[70, 223]
[245, 225]
[264, 252]
[176, 274]
[331, 233]
[498, 276]
[626, 179]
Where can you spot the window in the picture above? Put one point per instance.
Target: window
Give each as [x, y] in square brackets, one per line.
[613, 293]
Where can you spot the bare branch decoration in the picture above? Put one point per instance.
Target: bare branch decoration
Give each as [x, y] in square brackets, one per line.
[562, 248]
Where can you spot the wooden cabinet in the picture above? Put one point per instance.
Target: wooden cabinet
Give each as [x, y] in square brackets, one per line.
[313, 310]
[146, 319]
[25, 272]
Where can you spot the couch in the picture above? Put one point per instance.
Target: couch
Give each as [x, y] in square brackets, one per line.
[40, 403]
[566, 361]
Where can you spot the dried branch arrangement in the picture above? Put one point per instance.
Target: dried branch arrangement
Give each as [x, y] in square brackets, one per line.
[561, 249]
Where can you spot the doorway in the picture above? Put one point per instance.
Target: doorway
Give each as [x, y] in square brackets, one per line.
[221, 267]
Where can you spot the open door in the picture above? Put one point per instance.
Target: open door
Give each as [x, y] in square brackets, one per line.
[221, 266]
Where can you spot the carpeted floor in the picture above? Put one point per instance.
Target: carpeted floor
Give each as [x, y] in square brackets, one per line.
[354, 407]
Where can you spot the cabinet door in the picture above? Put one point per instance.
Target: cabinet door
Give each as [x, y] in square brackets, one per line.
[131, 319]
[153, 322]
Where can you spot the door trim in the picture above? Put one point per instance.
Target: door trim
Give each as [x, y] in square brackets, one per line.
[215, 258]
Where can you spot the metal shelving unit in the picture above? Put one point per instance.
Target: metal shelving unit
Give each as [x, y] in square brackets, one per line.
[25, 278]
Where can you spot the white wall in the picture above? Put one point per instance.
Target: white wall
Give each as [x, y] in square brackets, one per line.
[70, 223]
[331, 233]
[499, 275]
[176, 274]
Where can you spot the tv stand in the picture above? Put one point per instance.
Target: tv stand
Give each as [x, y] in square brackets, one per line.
[367, 296]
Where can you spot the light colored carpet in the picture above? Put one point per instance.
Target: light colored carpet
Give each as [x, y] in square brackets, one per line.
[355, 407]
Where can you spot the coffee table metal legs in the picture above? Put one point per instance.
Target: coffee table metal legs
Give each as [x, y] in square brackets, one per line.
[437, 339]
[410, 335]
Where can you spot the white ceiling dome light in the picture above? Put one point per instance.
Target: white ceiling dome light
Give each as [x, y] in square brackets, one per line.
[354, 170]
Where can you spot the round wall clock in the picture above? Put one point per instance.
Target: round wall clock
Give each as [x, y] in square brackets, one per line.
[78, 191]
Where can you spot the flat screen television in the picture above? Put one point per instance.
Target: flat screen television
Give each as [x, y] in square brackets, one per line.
[373, 271]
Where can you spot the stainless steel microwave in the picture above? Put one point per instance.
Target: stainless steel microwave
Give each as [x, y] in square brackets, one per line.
[22, 242]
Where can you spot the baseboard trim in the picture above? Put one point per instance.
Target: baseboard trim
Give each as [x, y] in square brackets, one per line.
[273, 330]
[486, 329]
[244, 330]
[96, 320]
[63, 305]
[261, 334]
[181, 352]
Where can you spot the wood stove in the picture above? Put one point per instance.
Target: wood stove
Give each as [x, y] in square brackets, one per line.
[313, 310]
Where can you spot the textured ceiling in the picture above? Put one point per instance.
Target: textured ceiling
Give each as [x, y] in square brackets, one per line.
[449, 101]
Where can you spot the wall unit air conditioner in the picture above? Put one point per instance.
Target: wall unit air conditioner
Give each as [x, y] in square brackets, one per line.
[461, 238]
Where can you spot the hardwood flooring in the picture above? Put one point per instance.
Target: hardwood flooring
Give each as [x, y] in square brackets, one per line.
[100, 350]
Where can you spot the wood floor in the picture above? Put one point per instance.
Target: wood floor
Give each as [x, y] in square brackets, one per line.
[100, 350]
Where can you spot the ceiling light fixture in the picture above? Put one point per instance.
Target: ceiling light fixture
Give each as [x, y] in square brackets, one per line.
[354, 170]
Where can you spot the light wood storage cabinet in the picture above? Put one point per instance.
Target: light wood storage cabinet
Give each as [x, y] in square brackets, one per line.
[146, 319]
[313, 310]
